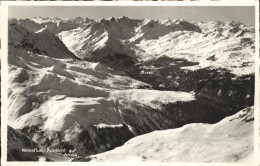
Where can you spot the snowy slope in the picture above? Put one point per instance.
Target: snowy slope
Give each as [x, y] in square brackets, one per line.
[101, 39]
[225, 45]
[72, 97]
[230, 140]
[87, 93]
[155, 97]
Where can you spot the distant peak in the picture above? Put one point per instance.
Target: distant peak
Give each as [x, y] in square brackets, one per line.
[88, 19]
[39, 17]
[234, 23]
[123, 18]
[78, 18]
[180, 21]
[111, 19]
[56, 18]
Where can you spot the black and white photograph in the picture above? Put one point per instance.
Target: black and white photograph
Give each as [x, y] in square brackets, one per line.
[167, 84]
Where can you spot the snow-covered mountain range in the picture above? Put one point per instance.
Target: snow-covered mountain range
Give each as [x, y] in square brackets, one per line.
[91, 85]
[210, 44]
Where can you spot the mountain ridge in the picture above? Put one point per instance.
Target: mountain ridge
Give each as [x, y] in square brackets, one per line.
[147, 39]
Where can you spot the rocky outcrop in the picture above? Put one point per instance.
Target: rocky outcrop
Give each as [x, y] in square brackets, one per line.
[96, 140]
[17, 144]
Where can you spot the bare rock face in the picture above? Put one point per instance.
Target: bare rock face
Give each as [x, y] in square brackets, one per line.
[23, 76]
[19, 142]
[99, 139]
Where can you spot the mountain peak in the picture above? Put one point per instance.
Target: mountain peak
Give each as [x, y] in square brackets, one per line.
[78, 19]
[56, 18]
[40, 20]
[88, 19]
[123, 18]
[111, 19]
[44, 18]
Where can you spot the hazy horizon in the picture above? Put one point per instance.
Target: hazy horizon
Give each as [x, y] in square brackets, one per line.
[190, 13]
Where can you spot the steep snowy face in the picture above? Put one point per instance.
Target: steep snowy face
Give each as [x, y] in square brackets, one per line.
[115, 36]
[233, 137]
[103, 41]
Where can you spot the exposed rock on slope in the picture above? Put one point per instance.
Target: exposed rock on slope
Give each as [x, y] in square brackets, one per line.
[217, 86]
[18, 141]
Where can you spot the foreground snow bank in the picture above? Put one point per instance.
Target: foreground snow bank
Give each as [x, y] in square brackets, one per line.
[230, 140]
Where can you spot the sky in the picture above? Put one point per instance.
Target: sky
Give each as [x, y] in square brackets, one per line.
[189, 13]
